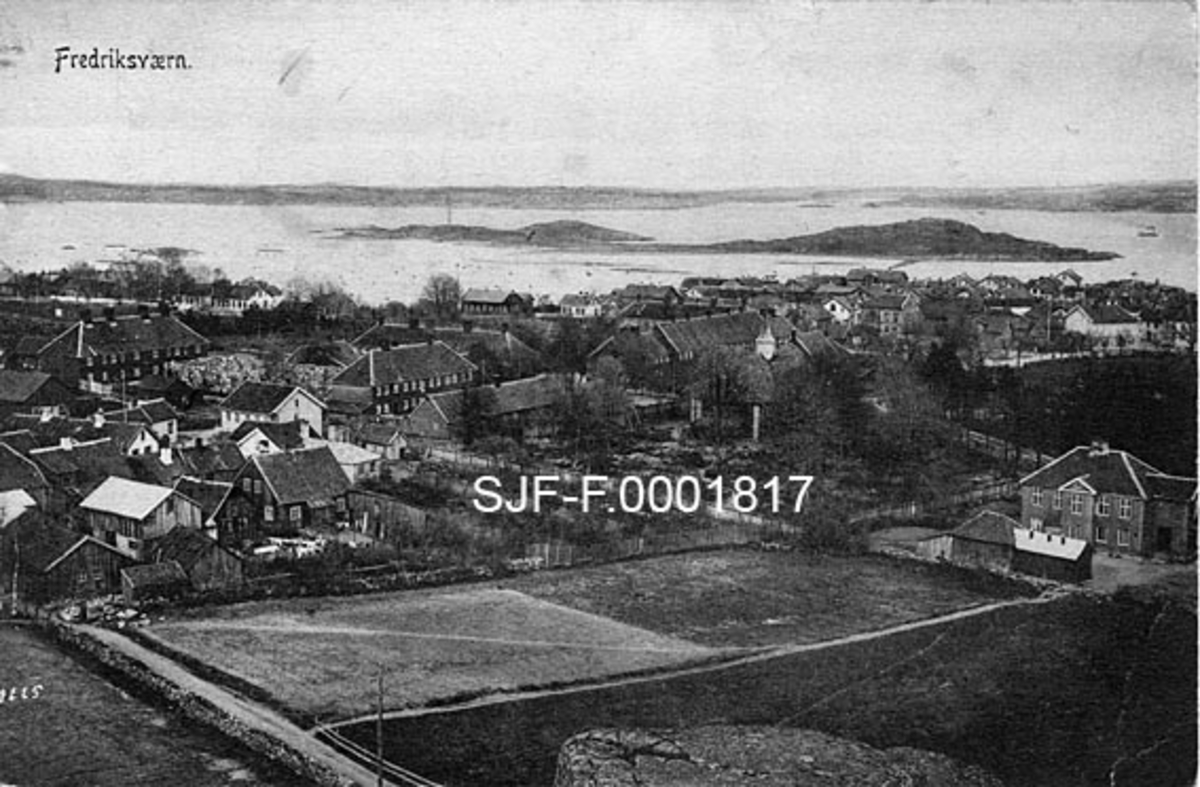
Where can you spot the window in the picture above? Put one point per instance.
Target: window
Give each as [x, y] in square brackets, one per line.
[1036, 497]
[1101, 534]
[258, 487]
[269, 513]
[1077, 504]
[1057, 500]
[1035, 523]
[1126, 508]
[1102, 506]
[296, 513]
[246, 485]
[341, 504]
[1122, 536]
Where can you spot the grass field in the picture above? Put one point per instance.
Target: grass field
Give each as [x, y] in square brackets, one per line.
[320, 657]
[82, 730]
[748, 598]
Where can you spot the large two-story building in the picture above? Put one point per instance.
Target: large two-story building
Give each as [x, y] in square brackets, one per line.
[1114, 501]
[100, 355]
[399, 379]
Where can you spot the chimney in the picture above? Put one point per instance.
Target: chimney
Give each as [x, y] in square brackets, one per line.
[1098, 448]
[97, 419]
[164, 455]
[65, 443]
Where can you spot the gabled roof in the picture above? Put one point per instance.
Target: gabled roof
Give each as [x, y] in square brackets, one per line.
[125, 334]
[265, 398]
[211, 459]
[310, 476]
[388, 335]
[155, 411]
[1105, 470]
[379, 434]
[691, 337]
[1107, 314]
[404, 364]
[209, 495]
[185, 547]
[46, 541]
[288, 435]
[157, 383]
[17, 387]
[990, 527]
[511, 398]
[502, 344]
[890, 302]
[124, 498]
[1170, 487]
[18, 472]
[492, 296]
[22, 440]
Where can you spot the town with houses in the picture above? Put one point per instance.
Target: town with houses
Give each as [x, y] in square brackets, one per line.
[171, 446]
[138, 451]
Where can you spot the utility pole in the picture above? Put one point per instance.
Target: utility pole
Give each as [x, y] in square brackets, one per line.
[379, 731]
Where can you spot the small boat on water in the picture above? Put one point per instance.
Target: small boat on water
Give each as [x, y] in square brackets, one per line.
[1148, 231]
[68, 247]
[270, 251]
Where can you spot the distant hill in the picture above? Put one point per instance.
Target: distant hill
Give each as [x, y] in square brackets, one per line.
[551, 233]
[1163, 197]
[1153, 197]
[922, 238]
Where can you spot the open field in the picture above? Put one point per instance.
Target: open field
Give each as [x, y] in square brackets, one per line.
[321, 657]
[1081, 690]
[81, 730]
[748, 598]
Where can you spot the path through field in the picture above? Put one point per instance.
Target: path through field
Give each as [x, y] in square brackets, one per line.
[759, 655]
[292, 629]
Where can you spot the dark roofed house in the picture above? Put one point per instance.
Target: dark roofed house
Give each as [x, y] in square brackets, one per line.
[33, 392]
[385, 439]
[209, 495]
[398, 379]
[491, 301]
[984, 541]
[253, 401]
[99, 355]
[254, 437]
[1112, 500]
[207, 564]
[517, 406]
[156, 414]
[295, 490]
[56, 562]
[892, 314]
[220, 461]
[176, 392]
[1112, 325]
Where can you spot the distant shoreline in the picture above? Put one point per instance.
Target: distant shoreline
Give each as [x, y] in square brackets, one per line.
[1165, 197]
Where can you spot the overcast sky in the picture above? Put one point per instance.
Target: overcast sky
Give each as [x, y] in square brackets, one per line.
[668, 95]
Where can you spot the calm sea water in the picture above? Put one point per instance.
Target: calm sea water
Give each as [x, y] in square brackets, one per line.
[280, 243]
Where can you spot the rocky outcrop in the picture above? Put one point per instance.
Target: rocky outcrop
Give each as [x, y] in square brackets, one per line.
[725, 756]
